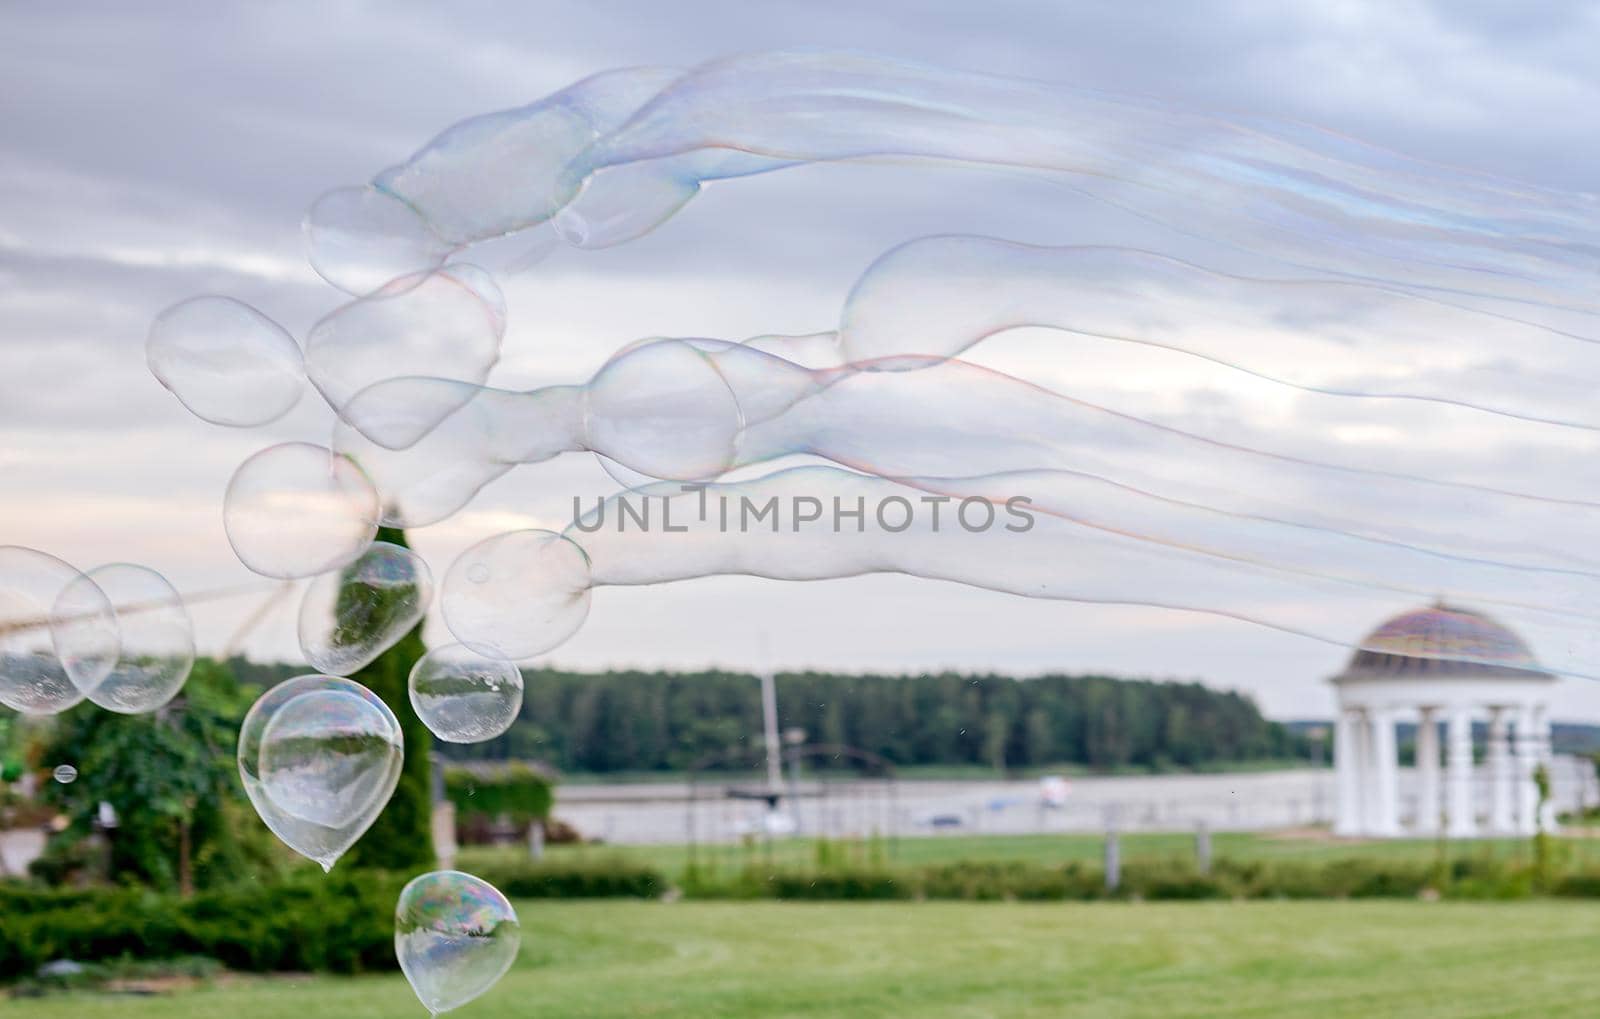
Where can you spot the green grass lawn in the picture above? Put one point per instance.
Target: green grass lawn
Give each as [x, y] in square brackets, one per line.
[1047, 849]
[930, 960]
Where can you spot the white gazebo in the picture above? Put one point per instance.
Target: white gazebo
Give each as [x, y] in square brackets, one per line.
[1449, 665]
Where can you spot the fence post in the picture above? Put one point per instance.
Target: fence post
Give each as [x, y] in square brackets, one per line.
[1202, 847]
[536, 839]
[1113, 851]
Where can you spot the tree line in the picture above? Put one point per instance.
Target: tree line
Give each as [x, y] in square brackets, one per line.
[674, 721]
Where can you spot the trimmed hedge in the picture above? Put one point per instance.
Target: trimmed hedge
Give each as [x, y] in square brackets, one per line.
[342, 923]
[598, 879]
[1144, 880]
[338, 924]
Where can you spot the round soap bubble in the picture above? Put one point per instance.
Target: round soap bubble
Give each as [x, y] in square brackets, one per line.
[225, 361]
[447, 324]
[324, 756]
[58, 632]
[518, 594]
[360, 239]
[66, 774]
[352, 615]
[455, 936]
[463, 697]
[297, 510]
[157, 649]
[319, 757]
[666, 411]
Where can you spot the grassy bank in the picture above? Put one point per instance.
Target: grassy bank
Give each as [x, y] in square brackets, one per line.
[1329, 959]
[1050, 850]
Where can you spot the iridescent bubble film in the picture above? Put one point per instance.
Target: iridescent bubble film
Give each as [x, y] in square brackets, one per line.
[360, 240]
[58, 632]
[1366, 299]
[446, 324]
[352, 615]
[157, 639]
[464, 697]
[324, 756]
[517, 595]
[319, 757]
[227, 362]
[455, 936]
[297, 510]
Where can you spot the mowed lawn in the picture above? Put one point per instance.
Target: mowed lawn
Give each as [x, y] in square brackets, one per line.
[732, 960]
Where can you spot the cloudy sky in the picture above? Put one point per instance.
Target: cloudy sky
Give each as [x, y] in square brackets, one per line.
[154, 153]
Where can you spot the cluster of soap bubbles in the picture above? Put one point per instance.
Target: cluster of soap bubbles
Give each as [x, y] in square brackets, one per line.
[1393, 284]
[118, 635]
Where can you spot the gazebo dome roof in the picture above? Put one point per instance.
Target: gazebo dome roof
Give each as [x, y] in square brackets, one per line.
[1443, 640]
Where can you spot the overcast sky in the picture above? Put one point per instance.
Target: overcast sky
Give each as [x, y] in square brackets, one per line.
[151, 152]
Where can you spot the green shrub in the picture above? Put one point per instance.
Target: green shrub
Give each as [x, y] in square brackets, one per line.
[597, 879]
[1028, 882]
[840, 885]
[340, 924]
[1173, 880]
[1583, 884]
[483, 795]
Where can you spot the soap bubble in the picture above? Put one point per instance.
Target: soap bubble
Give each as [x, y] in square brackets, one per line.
[665, 410]
[66, 774]
[324, 756]
[429, 445]
[352, 615]
[157, 639]
[445, 324]
[360, 239]
[225, 361]
[58, 632]
[622, 203]
[319, 757]
[296, 510]
[518, 594]
[464, 697]
[455, 936]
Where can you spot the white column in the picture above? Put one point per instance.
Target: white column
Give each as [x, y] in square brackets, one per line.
[1347, 772]
[1463, 818]
[1386, 773]
[1366, 804]
[1501, 816]
[1427, 773]
[1526, 745]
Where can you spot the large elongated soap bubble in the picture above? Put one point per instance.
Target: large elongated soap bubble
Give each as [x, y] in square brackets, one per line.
[58, 632]
[352, 615]
[362, 239]
[319, 757]
[455, 936]
[157, 646]
[613, 155]
[225, 361]
[445, 324]
[464, 697]
[517, 595]
[1055, 535]
[941, 417]
[297, 510]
